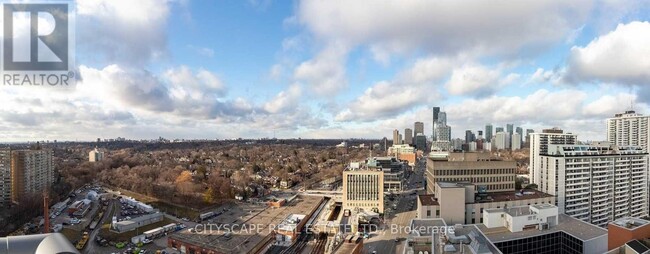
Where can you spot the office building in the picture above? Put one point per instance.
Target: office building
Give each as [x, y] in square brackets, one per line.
[469, 136]
[540, 228]
[393, 169]
[5, 176]
[459, 202]
[539, 143]
[515, 142]
[420, 142]
[403, 152]
[488, 132]
[510, 128]
[442, 133]
[408, 136]
[363, 190]
[32, 171]
[498, 129]
[436, 113]
[418, 128]
[396, 138]
[95, 155]
[629, 129]
[596, 184]
[481, 169]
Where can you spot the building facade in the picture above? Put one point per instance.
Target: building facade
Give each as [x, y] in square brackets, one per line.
[418, 127]
[479, 169]
[32, 171]
[95, 155]
[363, 190]
[539, 143]
[396, 138]
[596, 184]
[408, 136]
[5, 177]
[515, 142]
[629, 129]
[488, 132]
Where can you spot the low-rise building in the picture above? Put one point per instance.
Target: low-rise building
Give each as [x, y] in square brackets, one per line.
[480, 169]
[459, 203]
[132, 224]
[626, 230]
[287, 231]
[363, 190]
[540, 229]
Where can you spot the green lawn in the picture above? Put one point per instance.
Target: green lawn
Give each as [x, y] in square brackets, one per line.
[126, 236]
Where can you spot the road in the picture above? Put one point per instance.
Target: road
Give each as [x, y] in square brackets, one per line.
[383, 241]
[91, 246]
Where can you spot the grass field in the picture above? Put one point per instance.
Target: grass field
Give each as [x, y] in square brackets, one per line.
[126, 236]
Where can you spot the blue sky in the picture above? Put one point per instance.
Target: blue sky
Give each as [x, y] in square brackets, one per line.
[339, 69]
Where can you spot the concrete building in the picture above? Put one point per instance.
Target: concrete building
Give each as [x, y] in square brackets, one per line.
[596, 184]
[141, 221]
[363, 190]
[477, 168]
[519, 131]
[528, 132]
[488, 132]
[396, 138]
[408, 136]
[628, 230]
[443, 137]
[629, 129]
[287, 232]
[436, 113]
[5, 177]
[540, 229]
[95, 155]
[32, 171]
[418, 128]
[501, 140]
[510, 129]
[515, 142]
[460, 203]
[539, 143]
[393, 169]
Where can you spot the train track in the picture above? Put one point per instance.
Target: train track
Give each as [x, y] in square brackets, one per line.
[319, 247]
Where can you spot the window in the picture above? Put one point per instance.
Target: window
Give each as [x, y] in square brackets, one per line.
[428, 213]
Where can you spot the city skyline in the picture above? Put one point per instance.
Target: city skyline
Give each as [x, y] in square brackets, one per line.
[197, 71]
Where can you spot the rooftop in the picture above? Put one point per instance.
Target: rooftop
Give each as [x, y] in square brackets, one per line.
[630, 223]
[516, 195]
[428, 200]
[574, 227]
[426, 227]
[246, 216]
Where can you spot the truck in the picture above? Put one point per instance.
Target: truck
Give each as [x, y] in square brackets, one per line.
[82, 243]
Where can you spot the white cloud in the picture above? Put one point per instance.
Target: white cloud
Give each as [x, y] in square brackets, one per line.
[122, 31]
[447, 27]
[325, 74]
[620, 56]
[284, 100]
[608, 105]
[473, 80]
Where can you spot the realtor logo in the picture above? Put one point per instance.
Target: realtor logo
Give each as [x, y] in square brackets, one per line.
[38, 46]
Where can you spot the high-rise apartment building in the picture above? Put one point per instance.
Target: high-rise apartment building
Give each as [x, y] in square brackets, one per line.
[629, 129]
[418, 128]
[515, 142]
[396, 139]
[528, 132]
[5, 176]
[363, 190]
[539, 143]
[498, 129]
[520, 131]
[596, 184]
[443, 138]
[510, 128]
[95, 155]
[32, 171]
[501, 140]
[408, 136]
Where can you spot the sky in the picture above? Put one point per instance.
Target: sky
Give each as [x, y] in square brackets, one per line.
[339, 69]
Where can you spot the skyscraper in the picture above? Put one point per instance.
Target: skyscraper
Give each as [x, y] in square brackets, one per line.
[510, 128]
[519, 131]
[528, 132]
[488, 132]
[515, 141]
[498, 129]
[408, 136]
[396, 139]
[469, 136]
[436, 112]
[539, 143]
[629, 129]
[418, 128]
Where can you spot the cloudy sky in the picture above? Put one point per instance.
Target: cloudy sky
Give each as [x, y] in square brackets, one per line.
[339, 69]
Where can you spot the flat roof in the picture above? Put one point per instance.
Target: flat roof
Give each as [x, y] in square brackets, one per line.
[428, 200]
[245, 215]
[426, 227]
[630, 223]
[515, 195]
[574, 227]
